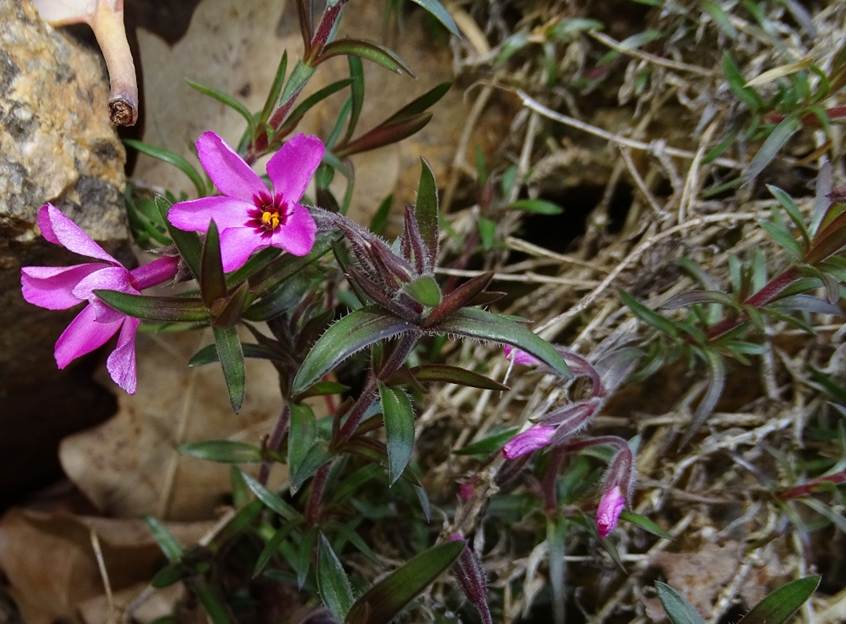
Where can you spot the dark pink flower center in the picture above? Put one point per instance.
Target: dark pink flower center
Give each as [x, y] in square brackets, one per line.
[269, 214]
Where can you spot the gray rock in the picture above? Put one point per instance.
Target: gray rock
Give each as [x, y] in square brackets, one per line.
[56, 144]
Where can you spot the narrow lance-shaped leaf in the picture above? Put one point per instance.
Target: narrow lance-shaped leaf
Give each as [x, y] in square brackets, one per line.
[388, 597]
[456, 375]
[165, 539]
[270, 499]
[398, 415]
[212, 281]
[231, 358]
[302, 434]
[367, 50]
[420, 104]
[275, 89]
[384, 134]
[780, 605]
[225, 99]
[208, 354]
[356, 97]
[772, 145]
[171, 158]
[357, 330]
[716, 383]
[188, 243]
[332, 581]
[426, 211]
[556, 546]
[151, 308]
[678, 610]
[440, 13]
[483, 325]
[223, 451]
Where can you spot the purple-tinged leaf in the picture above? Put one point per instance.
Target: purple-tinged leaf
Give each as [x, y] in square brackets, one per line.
[420, 104]
[822, 201]
[384, 134]
[149, 308]
[828, 241]
[390, 595]
[227, 312]
[483, 325]
[810, 304]
[456, 375]
[471, 576]
[459, 298]
[357, 330]
[412, 242]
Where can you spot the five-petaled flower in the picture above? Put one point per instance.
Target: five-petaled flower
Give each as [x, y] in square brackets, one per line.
[249, 216]
[60, 288]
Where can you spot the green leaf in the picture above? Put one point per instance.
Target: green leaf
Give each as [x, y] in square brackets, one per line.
[231, 358]
[487, 233]
[271, 500]
[302, 435]
[567, 27]
[388, 597]
[781, 604]
[424, 290]
[307, 104]
[152, 308]
[645, 523]
[399, 430]
[367, 50]
[489, 444]
[212, 281]
[677, 608]
[356, 94]
[384, 134]
[223, 451]
[720, 17]
[187, 243]
[275, 90]
[556, 533]
[226, 100]
[456, 375]
[783, 237]
[208, 354]
[332, 581]
[440, 13]
[420, 104]
[316, 456]
[537, 206]
[476, 323]
[426, 210]
[772, 145]
[324, 388]
[271, 548]
[792, 211]
[171, 158]
[170, 574]
[380, 220]
[164, 538]
[355, 331]
[649, 316]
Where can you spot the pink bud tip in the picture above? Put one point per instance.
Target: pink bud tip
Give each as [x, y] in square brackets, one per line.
[519, 357]
[608, 512]
[531, 439]
[466, 491]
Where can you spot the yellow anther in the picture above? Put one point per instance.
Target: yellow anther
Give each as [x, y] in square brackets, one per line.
[270, 220]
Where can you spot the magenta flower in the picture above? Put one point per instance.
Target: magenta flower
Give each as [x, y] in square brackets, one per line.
[532, 439]
[60, 288]
[608, 512]
[519, 357]
[248, 215]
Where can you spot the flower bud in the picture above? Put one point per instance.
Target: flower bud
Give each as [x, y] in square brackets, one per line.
[532, 439]
[471, 576]
[608, 512]
[519, 357]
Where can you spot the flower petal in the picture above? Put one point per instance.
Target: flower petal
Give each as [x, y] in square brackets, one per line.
[530, 440]
[519, 357]
[60, 230]
[121, 361]
[194, 215]
[297, 235]
[110, 278]
[83, 335]
[52, 287]
[230, 174]
[292, 167]
[608, 511]
[238, 244]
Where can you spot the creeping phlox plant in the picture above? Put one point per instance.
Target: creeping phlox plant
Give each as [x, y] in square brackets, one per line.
[313, 289]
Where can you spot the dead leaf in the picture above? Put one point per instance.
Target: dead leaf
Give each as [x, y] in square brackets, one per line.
[129, 466]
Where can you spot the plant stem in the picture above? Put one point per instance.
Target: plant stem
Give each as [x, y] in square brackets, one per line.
[274, 442]
[318, 486]
[758, 300]
[804, 489]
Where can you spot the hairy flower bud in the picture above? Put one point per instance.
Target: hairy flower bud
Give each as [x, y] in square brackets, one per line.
[608, 512]
[532, 439]
[471, 576]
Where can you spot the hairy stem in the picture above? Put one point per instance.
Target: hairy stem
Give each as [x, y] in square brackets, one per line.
[274, 442]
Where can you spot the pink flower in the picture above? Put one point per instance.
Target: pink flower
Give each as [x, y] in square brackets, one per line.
[60, 288]
[519, 357]
[608, 512]
[248, 215]
[532, 439]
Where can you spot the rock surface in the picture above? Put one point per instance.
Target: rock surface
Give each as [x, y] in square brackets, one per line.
[55, 144]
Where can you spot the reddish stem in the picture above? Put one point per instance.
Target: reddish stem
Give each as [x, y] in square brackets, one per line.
[274, 442]
[808, 487]
[315, 497]
[758, 300]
